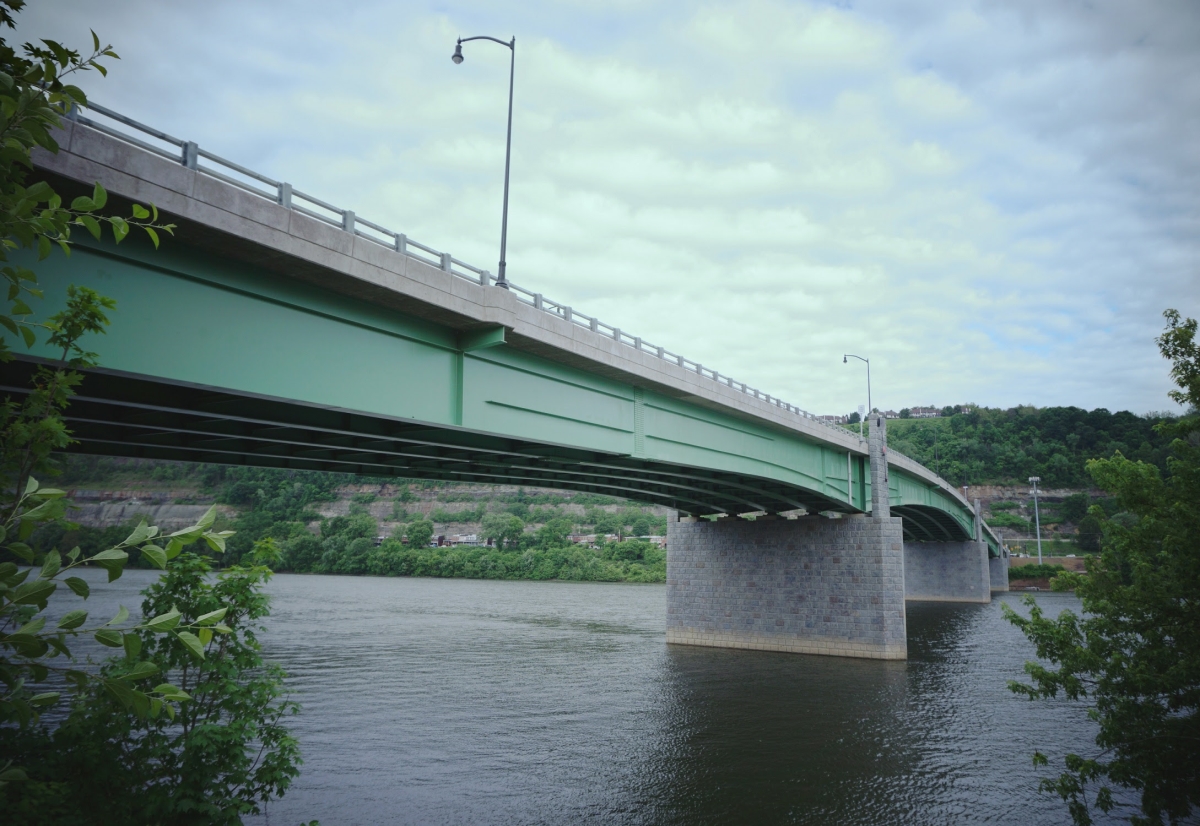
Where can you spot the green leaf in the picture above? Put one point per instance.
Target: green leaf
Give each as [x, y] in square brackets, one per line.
[205, 635]
[207, 520]
[212, 617]
[140, 534]
[31, 485]
[153, 235]
[140, 212]
[133, 646]
[79, 586]
[83, 204]
[72, 619]
[49, 698]
[170, 692]
[44, 247]
[28, 336]
[113, 561]
[91, 225]
[111, 555]
[20, 549]
[51, 565]
[163, 622]
[192, 642]
[109, 637]
[33, 626]
[122, 615]
[33, 593]
[120, 229]
[140, 671]
[174, 547]
[125, 695]
[156, 555]
[99, 196]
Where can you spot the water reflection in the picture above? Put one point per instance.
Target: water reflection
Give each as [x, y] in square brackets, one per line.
[456, 701]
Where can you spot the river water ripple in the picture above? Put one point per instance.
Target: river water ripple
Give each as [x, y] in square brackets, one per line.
[431, 701]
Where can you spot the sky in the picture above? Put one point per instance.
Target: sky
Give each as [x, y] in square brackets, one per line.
[994, 202]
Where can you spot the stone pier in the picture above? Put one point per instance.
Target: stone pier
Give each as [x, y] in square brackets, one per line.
[811, 585]
[949, 571]
[998, 568]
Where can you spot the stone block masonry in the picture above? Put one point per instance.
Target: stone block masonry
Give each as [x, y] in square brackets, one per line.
[810, 585]
[947, 571]
[999, 574]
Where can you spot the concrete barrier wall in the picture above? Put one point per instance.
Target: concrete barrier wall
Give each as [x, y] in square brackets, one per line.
[811, 585]
[947, 571]
[998, 567]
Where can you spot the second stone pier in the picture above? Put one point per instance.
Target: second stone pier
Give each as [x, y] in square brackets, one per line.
[811, 585]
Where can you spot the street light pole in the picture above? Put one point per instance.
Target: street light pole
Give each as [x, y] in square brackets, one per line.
[457, 57]
[868, 362]
[1033, 480]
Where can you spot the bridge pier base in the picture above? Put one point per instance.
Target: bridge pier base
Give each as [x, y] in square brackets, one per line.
[947, 571]
[810, 585]
[998, 568]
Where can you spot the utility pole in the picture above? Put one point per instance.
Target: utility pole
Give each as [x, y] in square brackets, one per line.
[1037, 519]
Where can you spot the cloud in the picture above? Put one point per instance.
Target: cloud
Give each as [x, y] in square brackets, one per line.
[994, 202]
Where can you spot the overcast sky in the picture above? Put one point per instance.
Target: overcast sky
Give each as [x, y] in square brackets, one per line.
[994, 202]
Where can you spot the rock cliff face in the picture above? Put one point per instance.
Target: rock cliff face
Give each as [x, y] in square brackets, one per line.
[166, 515]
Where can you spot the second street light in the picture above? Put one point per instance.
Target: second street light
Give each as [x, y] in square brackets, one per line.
[457, 57]
[845, 358]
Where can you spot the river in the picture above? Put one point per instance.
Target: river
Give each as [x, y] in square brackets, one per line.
[436, 701]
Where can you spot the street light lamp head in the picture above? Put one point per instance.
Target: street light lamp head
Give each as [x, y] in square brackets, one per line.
[457, 57]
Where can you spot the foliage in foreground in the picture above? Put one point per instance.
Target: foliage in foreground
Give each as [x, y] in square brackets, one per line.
[217, 759]
[207, 774]
[1134, 655]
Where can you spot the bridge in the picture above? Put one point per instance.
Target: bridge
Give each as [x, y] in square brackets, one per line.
[277, 330]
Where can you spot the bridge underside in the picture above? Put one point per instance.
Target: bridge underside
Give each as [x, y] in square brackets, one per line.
[211, 359]
[137, 417]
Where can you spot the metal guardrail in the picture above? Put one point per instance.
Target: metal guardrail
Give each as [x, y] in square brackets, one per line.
[190, 155]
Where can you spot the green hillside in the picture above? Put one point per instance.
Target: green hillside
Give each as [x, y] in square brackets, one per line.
[990, 446]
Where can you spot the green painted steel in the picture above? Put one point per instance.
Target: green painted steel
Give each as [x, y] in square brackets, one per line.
[216, 360]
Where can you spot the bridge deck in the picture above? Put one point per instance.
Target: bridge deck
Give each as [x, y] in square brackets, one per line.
[262, 335]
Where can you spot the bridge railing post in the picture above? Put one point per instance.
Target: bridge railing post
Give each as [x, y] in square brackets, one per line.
[401, 243]
[348, 220]
[285, 196]
[445, 262]
[190, 156]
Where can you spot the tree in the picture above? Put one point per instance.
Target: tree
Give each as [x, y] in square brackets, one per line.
[34, 222]
[1134, 655]
[219, 758]
[419, 533]
[504, 529]
[1074, 507]
[854, 417]
[906, 413]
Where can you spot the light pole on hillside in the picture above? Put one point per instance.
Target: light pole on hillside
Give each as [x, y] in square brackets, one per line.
[457, 57]
[868, 362]
[1033, 480]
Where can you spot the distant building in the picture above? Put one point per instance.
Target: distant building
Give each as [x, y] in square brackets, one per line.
[926, 412]
[891, 414]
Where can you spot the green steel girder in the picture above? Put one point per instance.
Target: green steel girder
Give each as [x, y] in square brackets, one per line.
[211, 359]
